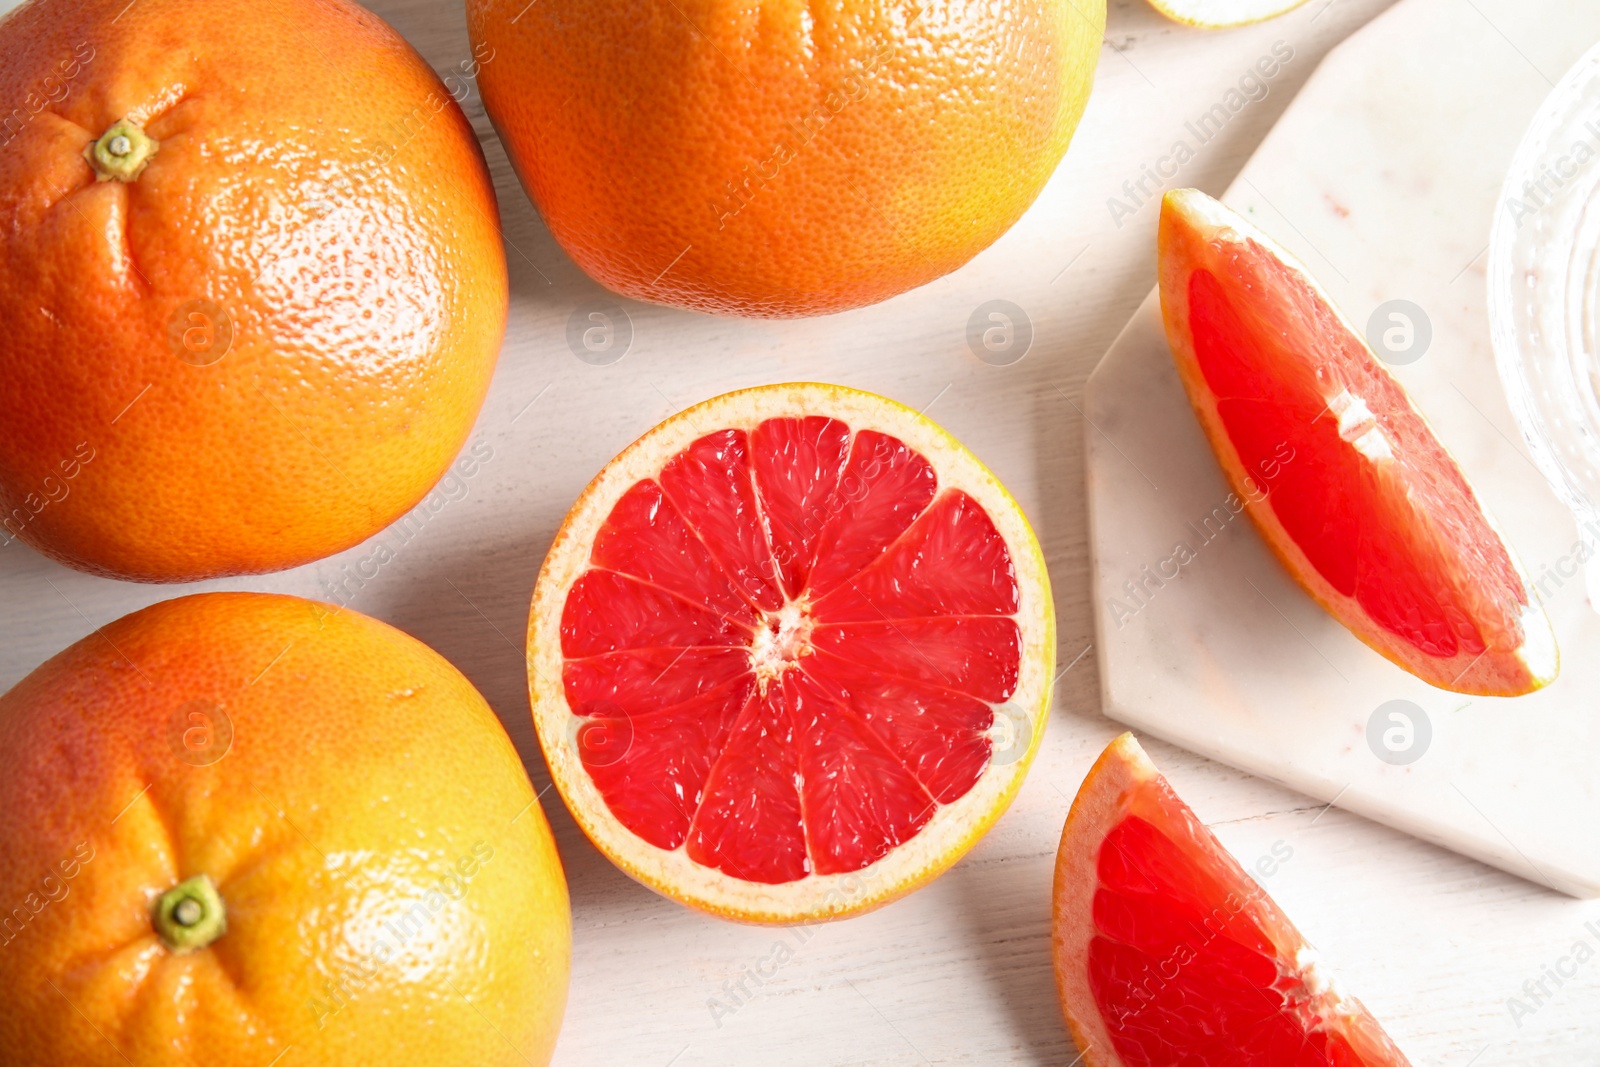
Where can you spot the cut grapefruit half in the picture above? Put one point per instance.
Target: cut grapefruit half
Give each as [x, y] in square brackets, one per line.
[791, 653]
[1222, 14]
[1338, 469]
[1167, 953]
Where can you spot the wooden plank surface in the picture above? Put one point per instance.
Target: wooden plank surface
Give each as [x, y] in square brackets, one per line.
[958, 973]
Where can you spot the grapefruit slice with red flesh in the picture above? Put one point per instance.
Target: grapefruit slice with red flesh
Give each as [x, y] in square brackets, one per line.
[1167, 953]
[790, 654]
[1338, 469]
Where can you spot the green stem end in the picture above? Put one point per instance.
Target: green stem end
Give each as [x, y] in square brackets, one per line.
[190, 915]
[121, 152]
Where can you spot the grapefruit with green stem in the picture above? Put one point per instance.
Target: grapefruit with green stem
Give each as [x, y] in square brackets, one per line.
[252, 282]
[247, 829]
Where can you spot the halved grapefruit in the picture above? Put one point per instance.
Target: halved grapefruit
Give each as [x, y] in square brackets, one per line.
[1221, 14]
[1369, 512]
[1167, 953]
[791, 653]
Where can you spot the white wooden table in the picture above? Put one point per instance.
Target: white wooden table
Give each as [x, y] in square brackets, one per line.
[959, 973]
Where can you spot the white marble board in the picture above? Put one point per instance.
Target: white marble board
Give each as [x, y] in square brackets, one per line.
[1382, 176]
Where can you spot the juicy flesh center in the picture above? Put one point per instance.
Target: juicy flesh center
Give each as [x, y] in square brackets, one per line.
[781, 639]
[789, 648]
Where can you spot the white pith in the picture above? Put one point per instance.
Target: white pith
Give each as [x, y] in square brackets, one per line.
[782, 637]
[953, 827]
[1359, 426]
[1316, 976]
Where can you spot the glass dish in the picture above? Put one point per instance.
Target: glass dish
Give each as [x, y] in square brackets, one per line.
[1544, 299]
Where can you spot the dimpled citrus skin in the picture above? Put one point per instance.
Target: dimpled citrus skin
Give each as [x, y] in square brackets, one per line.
[785, 158]
[314, 182]
[363, 772]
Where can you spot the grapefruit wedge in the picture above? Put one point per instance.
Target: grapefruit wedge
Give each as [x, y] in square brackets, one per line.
[1221, 14]
[1339, 471]
[791, 654]
[1167, 953]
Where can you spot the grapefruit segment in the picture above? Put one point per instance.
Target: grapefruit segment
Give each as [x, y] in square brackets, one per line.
[883, 488]
[860, 797]
[796, 467]
[769, 650]
[974, 575]
[940, 735]
[709, 484]
[748, 823]
[611, 612]
[638, 681]
[1166, 952]
[655, 763]
[1339, 471]
[648, 538]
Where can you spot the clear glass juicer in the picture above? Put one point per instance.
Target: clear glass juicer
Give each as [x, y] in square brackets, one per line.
[1544, 299]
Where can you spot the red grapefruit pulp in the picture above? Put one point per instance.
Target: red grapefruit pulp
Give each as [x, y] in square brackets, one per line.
[1371, 515]
[792, 635]
[1167, 953]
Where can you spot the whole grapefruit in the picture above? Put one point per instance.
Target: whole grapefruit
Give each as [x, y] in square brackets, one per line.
[784, 158]
[237, 827]
[251, 278]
